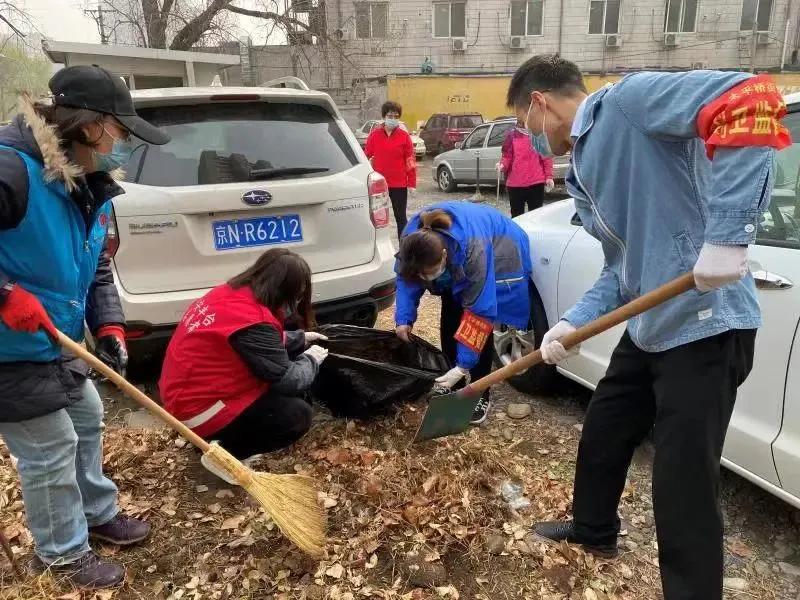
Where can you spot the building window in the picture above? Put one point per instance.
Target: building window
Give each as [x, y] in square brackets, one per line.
[449, 19]
[526, 18]
[603, 16]
[371, 20]
[681, 16]
[759, 11]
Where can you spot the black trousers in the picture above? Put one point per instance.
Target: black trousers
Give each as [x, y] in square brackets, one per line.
[399, 198]
[533, 196]
[688, 394]
[449, 321]
[272, 422]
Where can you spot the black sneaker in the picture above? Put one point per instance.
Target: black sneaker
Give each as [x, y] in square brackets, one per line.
[562, 531]
[89, 572]
[481, 410]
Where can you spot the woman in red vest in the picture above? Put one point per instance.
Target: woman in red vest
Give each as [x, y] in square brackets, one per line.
[233, 373]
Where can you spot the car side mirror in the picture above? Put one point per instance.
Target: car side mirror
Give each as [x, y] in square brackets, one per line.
[459, 145]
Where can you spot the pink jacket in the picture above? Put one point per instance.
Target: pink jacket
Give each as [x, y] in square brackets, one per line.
[522, 165]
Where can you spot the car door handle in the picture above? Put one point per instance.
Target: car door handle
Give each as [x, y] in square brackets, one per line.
[771, 281]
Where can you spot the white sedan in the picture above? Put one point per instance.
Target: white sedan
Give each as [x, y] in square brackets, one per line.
[763, 441]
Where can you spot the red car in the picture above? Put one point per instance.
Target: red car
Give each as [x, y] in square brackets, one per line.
[444, 130]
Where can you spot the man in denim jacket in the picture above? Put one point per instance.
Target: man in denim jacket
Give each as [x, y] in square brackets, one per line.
[645, 186]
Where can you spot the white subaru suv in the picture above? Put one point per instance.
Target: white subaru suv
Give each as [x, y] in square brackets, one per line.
[247, 169]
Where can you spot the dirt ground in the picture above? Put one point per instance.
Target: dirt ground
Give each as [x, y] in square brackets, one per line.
[404, 522]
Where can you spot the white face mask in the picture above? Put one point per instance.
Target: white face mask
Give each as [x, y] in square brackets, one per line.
[439, 272]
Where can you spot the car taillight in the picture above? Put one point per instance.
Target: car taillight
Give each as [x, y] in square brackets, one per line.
[112, 236]
[453, 135]
[378, 200]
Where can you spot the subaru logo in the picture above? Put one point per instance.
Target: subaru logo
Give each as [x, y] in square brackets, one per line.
[257, 197]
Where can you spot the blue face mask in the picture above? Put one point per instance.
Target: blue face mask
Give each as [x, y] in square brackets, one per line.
[539, 142]
[120, 155]
[391, 123]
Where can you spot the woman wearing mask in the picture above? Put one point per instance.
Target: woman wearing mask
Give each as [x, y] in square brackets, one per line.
[528, 174]
[479, 262]
[55, 192]
[233, 373]
[391, 153]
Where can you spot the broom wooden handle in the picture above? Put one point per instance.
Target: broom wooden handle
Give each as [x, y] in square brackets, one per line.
[131, 391]
[668, 291]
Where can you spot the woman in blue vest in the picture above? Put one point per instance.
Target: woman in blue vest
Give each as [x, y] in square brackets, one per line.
[55, 192]
[479, 262]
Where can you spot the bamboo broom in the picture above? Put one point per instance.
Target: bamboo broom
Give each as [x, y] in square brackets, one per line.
[290, 500]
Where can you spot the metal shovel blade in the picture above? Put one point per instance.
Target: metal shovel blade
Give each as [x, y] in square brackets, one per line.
[448, 414]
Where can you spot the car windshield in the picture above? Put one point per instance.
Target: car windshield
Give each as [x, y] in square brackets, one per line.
[780, 225]
[237, 142]
[466, 121]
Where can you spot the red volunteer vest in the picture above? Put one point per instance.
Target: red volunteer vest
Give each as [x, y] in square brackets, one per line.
[204, 382]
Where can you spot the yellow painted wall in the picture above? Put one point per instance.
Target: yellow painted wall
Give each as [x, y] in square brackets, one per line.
[423, 96]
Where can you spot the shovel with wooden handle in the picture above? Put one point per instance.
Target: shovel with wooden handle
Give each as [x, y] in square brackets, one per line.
[451, 413]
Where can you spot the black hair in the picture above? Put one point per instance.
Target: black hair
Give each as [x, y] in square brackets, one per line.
[391, 106]
[544, 72]
[280, 278]
[423, 249]
[69, 122]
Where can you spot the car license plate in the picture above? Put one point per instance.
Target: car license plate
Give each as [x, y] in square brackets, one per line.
[263, 231]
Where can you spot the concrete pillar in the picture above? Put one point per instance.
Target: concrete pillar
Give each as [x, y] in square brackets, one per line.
[190, 80]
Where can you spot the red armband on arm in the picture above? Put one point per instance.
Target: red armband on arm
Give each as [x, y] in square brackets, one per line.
[474, 331]
[747, 115]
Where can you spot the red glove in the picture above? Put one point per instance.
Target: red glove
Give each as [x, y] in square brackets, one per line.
[23, 312]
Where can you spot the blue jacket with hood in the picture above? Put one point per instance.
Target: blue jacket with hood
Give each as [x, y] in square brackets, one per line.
[489, 267]
[53, 222]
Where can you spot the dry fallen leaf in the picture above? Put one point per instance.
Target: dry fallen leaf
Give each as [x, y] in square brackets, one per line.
[224, 494]
[429, 483]
[739, 548]
[336, 571]
[232, 522]
[589, 594]
[448, 592]
[432, 556]
[372, 562]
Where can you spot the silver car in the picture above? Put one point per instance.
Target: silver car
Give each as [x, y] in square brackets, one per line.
[477, 157]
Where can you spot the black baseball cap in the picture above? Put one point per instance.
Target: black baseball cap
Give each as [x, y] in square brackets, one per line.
[95, 88]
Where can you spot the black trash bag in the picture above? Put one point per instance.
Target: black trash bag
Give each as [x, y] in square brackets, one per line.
[369, 371]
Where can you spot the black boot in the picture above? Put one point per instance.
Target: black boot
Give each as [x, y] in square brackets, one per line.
[88, 572]
[561, 531]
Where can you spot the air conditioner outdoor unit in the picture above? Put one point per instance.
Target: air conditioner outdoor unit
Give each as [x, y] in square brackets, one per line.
[613, 41]
[763, 38]
[517, 42]
[671, 40]
[459, 45]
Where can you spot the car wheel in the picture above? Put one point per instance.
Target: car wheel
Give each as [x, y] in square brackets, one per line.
[510, 344]
[445, 180]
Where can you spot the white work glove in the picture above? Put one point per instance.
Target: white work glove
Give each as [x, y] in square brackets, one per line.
[452, 377]
[317, 353]
[499, 167]
[549, 185]
[718, 266]
[412, 192]
[404, 332]
[313, 336]
[553, 351]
